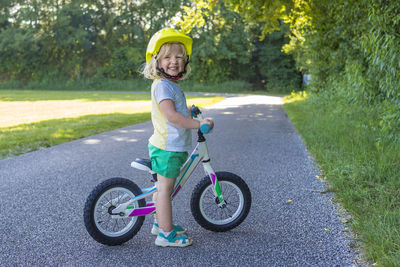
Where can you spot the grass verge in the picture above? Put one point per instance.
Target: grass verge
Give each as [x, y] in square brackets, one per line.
[8, 95]
[25, 138]
[21, 138]
[361, 164]
[137, 84]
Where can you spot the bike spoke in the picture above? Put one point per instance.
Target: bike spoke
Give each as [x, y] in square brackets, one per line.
[228, 212]
[105, 222]
[222, 214]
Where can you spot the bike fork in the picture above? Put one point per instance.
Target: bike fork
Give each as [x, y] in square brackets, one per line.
[216, 187]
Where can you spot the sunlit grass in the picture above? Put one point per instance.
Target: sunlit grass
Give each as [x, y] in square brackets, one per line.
[38, 95]
[296, 96]
[19, 112]
[30, 137]
[21, 107]
[361, 164]
[31, 120]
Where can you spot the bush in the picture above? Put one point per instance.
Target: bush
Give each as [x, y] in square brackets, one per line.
[124, 64]
[224, 87]
[83, 84]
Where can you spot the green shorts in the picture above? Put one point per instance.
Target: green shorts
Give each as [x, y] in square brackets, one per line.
[166, 163]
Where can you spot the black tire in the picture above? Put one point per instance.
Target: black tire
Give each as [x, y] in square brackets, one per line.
[204, 205]
[97, 212]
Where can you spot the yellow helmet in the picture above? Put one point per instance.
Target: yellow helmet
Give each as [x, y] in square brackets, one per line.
[164, 36]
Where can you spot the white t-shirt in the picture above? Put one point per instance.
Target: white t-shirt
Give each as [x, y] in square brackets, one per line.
[168, 136]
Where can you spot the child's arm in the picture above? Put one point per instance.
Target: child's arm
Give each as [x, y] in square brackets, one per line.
[167, 107]
[190, 111]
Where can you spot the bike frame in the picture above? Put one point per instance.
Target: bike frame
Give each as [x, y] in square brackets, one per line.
[199, 154]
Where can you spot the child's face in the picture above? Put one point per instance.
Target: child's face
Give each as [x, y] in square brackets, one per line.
[173, 61]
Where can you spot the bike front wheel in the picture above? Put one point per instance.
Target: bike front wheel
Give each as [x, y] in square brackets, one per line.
[206, 208]
[98, 212]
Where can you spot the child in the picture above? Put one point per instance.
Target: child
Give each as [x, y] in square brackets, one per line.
[167, 58]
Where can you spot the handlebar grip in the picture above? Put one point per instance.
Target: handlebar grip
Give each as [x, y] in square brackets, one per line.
[195, 111]
[205, 128]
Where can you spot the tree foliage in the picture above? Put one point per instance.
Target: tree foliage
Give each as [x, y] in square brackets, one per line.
[227, 47]
[65, 39]
[277, 68]
[352, 49]
[268, 12]
[222, 48]
[44, 38]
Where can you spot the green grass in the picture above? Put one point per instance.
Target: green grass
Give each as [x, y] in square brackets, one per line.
[139, 84]
[83, 84]
[26, 137]
[37, 95]
[362, 165]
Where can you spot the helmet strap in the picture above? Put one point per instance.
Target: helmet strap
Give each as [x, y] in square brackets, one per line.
[161, 71]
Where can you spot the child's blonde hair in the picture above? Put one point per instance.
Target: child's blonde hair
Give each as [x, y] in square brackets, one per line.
[150, 69]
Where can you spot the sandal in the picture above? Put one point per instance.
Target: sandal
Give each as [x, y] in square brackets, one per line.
[178, 229]
[173, 240]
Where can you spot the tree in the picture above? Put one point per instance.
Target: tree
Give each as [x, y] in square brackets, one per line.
[230, 48]
[268, 12]
[221, 47]
[72, 39]
[276, 68]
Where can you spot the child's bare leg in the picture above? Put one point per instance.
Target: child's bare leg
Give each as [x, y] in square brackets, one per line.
[155, 201]
[163, 203]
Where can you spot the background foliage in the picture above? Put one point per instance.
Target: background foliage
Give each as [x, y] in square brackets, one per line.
[59, 40]
[351, 122]
[351, 49]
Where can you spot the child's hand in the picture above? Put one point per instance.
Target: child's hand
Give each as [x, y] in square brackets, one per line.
[209, 122]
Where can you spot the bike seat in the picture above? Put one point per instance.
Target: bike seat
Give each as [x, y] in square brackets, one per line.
[144, 165]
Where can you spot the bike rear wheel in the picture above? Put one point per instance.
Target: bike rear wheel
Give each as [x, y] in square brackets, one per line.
[205, 205]
[99, 207]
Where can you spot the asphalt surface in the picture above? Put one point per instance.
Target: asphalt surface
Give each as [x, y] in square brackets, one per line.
[291, 222]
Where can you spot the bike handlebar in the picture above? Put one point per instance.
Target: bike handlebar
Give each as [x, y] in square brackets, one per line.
[205, 128]
[196, 113]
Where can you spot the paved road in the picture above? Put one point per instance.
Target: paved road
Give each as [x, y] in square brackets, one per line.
[290, 224]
